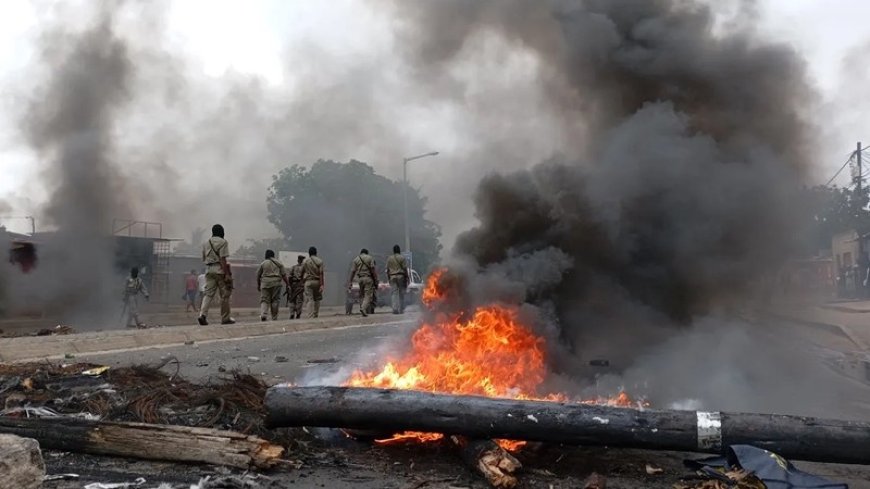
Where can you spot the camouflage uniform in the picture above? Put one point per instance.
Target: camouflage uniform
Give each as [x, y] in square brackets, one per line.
[364, 268]
[297, 286]
[215, 281]
[397, 272]
[271, 276]
[132, 289]
[312, 270]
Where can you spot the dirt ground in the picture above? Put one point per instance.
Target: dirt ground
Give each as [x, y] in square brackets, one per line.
[361, 465]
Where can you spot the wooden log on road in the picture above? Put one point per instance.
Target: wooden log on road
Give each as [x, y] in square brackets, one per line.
[801, 438]
[146, 441]
[21, 464]
[488, 459]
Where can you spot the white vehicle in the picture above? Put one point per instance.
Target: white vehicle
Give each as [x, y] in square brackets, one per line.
[415, 288]
[382, 294]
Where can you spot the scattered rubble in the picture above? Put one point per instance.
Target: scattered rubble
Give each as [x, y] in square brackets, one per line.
[60, 329]
[144, 394]
[736, 479]
[595, 481]
[323, 360]
[60, 477]
[87, 395]
[118, 485]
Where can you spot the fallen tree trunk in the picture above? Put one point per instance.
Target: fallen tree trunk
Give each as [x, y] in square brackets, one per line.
[394, 411]
[21, 464]
[488, 459]
[146, 441]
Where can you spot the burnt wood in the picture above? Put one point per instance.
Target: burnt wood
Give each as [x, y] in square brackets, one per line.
[489, 460]
[389, 410]
[146, 441]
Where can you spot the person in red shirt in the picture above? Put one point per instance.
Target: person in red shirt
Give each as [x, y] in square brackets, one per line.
[191, 287]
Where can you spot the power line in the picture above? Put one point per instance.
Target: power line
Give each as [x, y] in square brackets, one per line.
[845, 164]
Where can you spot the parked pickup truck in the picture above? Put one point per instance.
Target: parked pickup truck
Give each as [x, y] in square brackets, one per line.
[382, 294]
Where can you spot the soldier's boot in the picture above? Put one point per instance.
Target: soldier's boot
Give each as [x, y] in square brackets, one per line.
[206, 303]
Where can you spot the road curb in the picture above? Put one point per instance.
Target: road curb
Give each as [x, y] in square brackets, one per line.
[835, 328]
[35, 348]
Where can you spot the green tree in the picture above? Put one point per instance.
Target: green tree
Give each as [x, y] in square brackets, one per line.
[833, 210]
[343, 207]
[256, 248]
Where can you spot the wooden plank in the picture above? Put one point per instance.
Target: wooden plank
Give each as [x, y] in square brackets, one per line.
[147, 441]
[21, 464]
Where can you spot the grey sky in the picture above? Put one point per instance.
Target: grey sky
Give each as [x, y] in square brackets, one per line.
[285, 42]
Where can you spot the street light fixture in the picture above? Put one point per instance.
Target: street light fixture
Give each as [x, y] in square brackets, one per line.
[405, 198]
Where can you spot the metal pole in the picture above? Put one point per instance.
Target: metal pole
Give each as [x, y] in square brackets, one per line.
[862, 204]
[405, 202]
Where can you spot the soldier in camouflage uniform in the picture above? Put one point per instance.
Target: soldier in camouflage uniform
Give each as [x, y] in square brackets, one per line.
[218, 275]
[364, 268]
[397, 273]
[313, 279]
[296, 288]
[270, 275]
[132, 288]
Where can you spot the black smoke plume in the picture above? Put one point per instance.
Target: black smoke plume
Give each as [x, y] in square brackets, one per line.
[692, 142]
[676, 203]
[69, 124]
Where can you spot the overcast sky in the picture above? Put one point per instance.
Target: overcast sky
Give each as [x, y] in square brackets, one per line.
[255, 37]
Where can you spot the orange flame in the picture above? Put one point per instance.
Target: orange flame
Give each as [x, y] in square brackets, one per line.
[418, 436]
[434, 289]
[491, 353]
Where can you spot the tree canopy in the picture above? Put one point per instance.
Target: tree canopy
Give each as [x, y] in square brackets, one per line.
[833, 210]
[343, 207]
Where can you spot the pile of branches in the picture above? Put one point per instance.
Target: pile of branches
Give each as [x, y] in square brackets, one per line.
[141, 393]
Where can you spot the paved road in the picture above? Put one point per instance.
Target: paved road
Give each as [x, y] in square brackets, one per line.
[308, 355]
[328, 356]
[157, 316]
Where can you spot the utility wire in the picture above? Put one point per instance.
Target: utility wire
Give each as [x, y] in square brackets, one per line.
[851, 155]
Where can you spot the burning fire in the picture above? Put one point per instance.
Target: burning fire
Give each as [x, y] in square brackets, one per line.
[487, 353]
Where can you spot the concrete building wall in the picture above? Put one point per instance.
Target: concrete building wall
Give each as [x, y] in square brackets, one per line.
[844, 248]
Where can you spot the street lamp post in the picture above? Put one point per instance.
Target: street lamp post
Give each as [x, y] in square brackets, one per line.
[405, 197]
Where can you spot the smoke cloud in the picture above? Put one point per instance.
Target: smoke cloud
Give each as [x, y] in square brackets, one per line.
[69, 125]
[670, 210]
